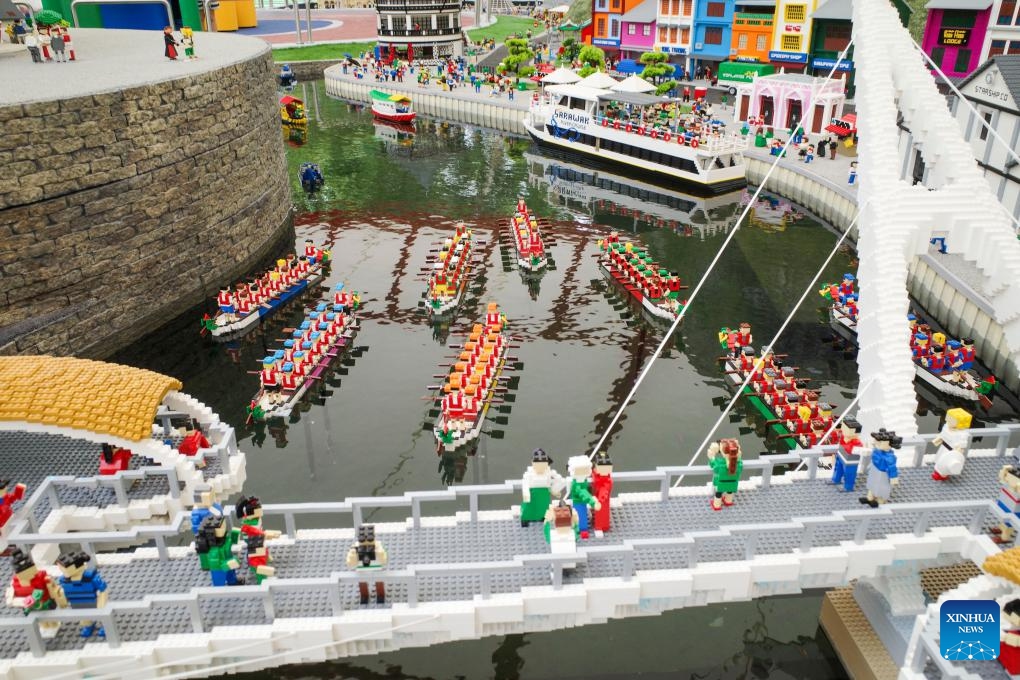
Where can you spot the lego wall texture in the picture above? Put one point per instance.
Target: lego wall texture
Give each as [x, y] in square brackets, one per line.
[122, 207]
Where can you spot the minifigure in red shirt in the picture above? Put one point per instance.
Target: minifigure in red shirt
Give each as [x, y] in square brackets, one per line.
[113, 460]
[192, 442]
[602, 489]
[33, 590]
[7, 500]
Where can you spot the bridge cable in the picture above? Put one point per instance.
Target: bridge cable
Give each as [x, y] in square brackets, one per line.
[715, 260]
[837, 421]
[207, 670]
[768, 348]
[980, 118]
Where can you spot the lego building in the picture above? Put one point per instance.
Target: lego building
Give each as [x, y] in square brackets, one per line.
[954, 34]
[792, 35]
[426, 29]
[712, 34]
[673, 22]
[638, 31]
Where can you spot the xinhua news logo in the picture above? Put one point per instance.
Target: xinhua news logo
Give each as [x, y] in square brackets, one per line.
[969, 630]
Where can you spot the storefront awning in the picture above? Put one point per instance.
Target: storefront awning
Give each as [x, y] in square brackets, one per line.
[835, 10]
[973, 5]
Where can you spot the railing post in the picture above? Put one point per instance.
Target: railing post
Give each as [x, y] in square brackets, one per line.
[412, 591]
[416, 512]
[557, 575]
[921, 525]
[267, 603]
[173, 481]
[919, 451]
[120, 491]
[196, 616]
[1000, 445]
[35, 641]
[161, 550]
[334, 598]
[628, 565]
[812, 467]
[52, 496]
[290, 524]
[862, 530]
[766, 476]
[808, 538]
[473, 504]
[224, 455]
[486, 585]
[110, 628]
[977, 522]
[664, 487]
[692, 554]
[356, 512]
[750, 545]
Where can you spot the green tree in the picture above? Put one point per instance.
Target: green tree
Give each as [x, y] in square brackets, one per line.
[48, 17]
[519, 54]
[570, 49]
[656, 67]
[593, 58]
[665, 87]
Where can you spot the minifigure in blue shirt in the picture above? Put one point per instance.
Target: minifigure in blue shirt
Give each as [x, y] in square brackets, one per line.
[882, 474]
[83, 587]
[207, 505]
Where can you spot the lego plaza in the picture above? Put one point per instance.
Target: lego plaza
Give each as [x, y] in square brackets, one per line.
[421, 340]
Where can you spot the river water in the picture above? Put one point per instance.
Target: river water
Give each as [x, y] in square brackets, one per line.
[388, 198]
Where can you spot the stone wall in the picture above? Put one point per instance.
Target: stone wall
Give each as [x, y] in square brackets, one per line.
[120, 210]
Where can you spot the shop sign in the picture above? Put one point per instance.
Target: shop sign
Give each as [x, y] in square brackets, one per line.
[954, 37]
[845, 65]
[606, 42]
[788, 57]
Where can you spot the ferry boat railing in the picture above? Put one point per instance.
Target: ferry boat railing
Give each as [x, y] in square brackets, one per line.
[625, 556]
[710, 144]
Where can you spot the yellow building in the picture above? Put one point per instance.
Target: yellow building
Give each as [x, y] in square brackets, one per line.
[791, 36]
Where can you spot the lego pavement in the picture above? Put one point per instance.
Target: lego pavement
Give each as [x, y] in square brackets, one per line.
[499, 537]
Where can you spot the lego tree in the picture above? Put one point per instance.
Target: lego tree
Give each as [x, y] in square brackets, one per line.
[656, 67]
[593, 58]
[519, 54]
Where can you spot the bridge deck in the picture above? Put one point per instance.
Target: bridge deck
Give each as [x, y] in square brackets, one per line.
[498, 537]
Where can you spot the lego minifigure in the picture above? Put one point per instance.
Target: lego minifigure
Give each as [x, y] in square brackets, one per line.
[214, 545]
[602, 488]
[188, 40]
[1009, 647]
[744, 338]
[561, 530]
[67, 43]
[367, 555]
[32, 43]
[57, 43]
[249, 511]
[539, 483]
[113, 460]
[882, 473]
[205, 506]
[7, 500]
[170, 49]
[724, 459]
[44, 43]
[1009, 500]
[847, 457]
[83, 587]
[192, 442]
[952, 442]
[579, 493]
[33, 590]
[258, 560]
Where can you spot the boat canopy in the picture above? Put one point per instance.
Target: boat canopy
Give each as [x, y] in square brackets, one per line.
[386, 97]
[575, 91]
[635, 98]
[287, 99]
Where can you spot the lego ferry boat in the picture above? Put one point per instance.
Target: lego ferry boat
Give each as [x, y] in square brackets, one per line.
[773, 393]
[395, 108]
[472, 383]
[449, 278]
[527, 240]
[633, 271]
[964, 384]
[610, 127]
[314, 346]
[240, 310]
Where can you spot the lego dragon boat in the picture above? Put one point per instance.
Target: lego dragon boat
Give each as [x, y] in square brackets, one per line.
[944, 365]
[472, 383]
[315, 345]
[240, 310]
[449, 277]
[773, 393]
[657, 290]
[527, 240]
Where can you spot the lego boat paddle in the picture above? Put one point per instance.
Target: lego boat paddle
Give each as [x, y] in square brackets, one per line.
[395, 108]
[472, 384]
[315, 346]
[527, 240]
[634, 272]
[963, 383]
[451, 269]
[240, 310]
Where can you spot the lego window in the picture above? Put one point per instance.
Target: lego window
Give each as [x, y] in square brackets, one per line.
[614, 28]
[664, 7]
[715, 9]
[646, 30]
[672, 34]
[1014, 47]
[742, 41]
[1006, 11]
[688, 7]
[674, 7]
[962, 64]
[762, 44]
[984, 128]
[631, 29]
[443, 21]
[791, 43]
[998, 47]
[616, 5]
[662, 34]
[957, 19]
[937, 55]
[795, 12]
[600, 27]
[713, 36]
[685, 36]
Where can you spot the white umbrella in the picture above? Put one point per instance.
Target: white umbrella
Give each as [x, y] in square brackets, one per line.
[633, 83]
[561, 76]
[598, 81]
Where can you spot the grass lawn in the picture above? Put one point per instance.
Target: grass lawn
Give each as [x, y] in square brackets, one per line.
[502, 29]
[315, 52]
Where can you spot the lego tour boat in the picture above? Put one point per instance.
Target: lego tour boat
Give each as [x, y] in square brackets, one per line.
[292, 112]
[241, 309]
[791, 411]
[316, 344]
[472, 383]
[449, 277]
[395, 108]
[637, 131]
[632, 270]
[943, 364]
[527, 240]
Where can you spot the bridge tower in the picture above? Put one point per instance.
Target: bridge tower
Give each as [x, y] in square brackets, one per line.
[897, 219]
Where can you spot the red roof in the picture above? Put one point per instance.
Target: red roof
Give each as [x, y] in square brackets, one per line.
[287, 99]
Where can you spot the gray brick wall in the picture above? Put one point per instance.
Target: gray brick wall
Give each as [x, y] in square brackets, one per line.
[120, 210]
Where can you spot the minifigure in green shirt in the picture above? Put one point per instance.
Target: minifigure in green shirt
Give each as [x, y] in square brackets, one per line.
[540, 482]
[724, 459]
[214, 545]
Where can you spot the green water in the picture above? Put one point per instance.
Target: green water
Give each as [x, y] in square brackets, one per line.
[386, 202]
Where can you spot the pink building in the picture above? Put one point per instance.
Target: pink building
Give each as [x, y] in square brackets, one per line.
[954, 34]
[637, 33]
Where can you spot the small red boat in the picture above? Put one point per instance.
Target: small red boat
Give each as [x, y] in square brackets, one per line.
[395, 108]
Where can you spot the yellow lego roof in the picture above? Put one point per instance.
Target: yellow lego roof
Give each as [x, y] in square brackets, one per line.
[1006, 564]
[82, 394]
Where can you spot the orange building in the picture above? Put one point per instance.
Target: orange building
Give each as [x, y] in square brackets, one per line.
[607, 21]
[752, 36]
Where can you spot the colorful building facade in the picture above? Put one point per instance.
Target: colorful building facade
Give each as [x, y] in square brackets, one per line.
[752, 35]
[637, 32]
[830, 35]
[1003, 35]
[954, 34]
[674, 20]
[712, 31]
[792, 34]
